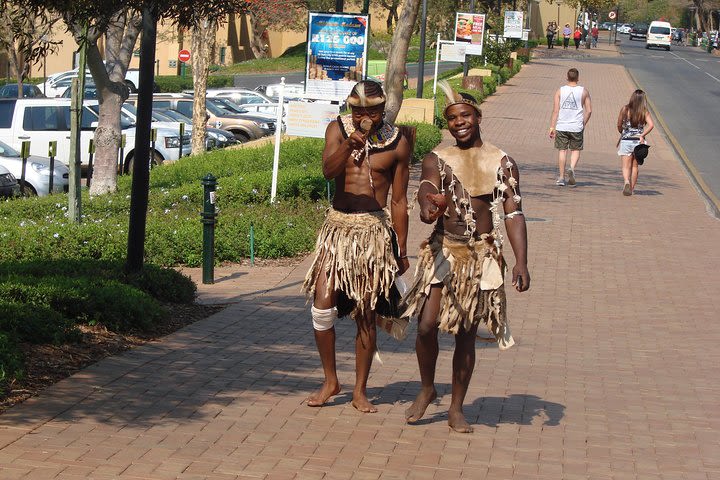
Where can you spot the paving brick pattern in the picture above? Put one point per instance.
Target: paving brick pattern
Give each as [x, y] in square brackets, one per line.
[614, 375]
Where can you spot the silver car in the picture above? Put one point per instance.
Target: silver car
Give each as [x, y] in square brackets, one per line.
[37, 171]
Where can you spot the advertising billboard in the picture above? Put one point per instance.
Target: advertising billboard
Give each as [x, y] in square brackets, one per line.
[336, 55]
[470, 29]
[513, 27]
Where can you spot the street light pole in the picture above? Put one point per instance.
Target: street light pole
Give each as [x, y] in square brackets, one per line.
[421, 59]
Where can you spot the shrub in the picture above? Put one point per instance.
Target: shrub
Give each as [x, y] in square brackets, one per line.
[427, 137]
[11, 359]
[34, 323]
[176, 83]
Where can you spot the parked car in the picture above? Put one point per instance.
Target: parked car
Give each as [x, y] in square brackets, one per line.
[29, 91]
[291, 92]
[56, 84]
[9, 186]
[639, 30]
[222, 138]
[248, 99]
[266, 121]
[41, 120]
[244, 129]
[37, 171]
[625, 28]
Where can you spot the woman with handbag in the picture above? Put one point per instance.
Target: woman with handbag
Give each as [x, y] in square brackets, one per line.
[634, 123]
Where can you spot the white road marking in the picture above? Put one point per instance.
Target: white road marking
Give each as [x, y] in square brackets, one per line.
[684, 59]
[713, 77]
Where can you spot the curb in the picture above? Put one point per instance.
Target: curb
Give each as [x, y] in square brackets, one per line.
[712, 203]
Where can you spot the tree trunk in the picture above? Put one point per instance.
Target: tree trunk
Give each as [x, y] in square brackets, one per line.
[258, 42]
[109, 77]
[397, 57]
[203, 39]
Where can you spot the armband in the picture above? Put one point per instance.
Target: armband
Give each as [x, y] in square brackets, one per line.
[514, 214]
[428, 181]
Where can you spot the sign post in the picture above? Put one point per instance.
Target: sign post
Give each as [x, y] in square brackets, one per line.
[184, 57]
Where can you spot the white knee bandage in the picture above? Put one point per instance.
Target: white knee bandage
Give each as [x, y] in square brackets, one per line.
[323, 319]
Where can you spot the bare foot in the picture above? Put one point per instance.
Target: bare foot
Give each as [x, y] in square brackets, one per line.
[457, 422]
[318, 398]
[361, 403]
[416, 411]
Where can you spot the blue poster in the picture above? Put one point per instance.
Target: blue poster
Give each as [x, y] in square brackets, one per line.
[337, 54]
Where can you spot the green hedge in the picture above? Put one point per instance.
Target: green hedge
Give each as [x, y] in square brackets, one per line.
[43, 301]
[37, 228]
[176, 83]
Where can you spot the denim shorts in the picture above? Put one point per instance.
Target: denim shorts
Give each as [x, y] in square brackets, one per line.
[626, 147]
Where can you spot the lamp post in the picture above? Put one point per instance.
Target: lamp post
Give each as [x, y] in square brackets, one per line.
[421, 59]
[558, 19]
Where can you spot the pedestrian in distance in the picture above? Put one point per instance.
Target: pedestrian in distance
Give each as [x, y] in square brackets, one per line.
[459, 277]
[634, 123]
[571, 112]
[361, 248]
[550, 34]
[577, 36]
[567, 31]
[595, 33]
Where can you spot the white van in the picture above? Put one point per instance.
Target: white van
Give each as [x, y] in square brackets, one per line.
[659, 35]
[41, 120]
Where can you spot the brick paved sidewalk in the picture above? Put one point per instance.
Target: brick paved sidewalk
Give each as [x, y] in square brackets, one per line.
[614, 375]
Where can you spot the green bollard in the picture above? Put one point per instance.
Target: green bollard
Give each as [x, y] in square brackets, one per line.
[91, 151]
[252, 244]
[208, 219]
[52, 151]
[24, 153]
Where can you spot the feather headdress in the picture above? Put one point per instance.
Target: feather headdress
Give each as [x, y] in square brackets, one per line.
[452, 97]
[366, 94]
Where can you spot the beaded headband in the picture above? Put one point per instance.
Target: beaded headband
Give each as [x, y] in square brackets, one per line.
[358, 97]
[453, 98]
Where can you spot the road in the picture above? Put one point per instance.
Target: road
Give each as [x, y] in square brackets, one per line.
[684, 88]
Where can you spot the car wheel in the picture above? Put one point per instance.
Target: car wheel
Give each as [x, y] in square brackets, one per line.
[155, 160]
[27, 190]
[667, 48]
[241, 137]
[131, 86]
[647, 47]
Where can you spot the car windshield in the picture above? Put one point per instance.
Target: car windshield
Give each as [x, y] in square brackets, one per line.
[227, 105]
[7, 151]
[177, 116]
[161, 117]
[660, 30]
[215, 110]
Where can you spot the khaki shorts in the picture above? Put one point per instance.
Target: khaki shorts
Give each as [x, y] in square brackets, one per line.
[569, 140]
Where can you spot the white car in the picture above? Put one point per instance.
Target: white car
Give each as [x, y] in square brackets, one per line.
[37, 171]
[250, 100]
[43, 120]
[56, 84]
[624, 28]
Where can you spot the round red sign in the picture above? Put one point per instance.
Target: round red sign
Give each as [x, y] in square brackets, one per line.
[611, 15]
[184, 55]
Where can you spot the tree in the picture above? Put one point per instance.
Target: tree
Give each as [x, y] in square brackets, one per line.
[25, 38]
[395, 70]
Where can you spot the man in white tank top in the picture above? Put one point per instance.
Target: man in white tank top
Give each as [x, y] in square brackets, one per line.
[571, 112]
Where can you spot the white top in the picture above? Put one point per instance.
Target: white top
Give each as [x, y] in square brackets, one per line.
[570, 117]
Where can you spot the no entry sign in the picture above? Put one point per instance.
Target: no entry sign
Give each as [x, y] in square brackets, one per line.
[184, 55]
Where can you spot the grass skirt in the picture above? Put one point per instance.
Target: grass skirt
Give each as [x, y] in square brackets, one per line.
[471, 274]
[355, 253]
